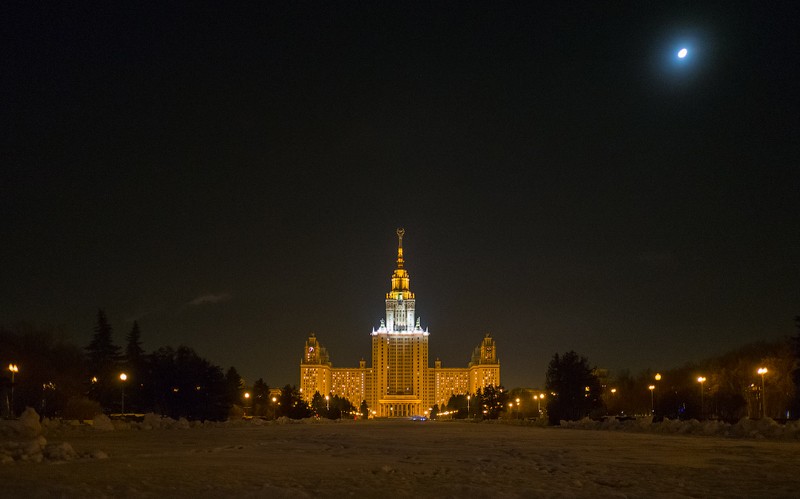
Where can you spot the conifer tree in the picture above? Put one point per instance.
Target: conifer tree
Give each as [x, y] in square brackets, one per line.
[235, 385]
[794, 409]
[135, 367]
[103, 357]
[575, 387]
[133, 350]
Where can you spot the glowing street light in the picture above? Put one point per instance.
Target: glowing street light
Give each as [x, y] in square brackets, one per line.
[657, 377]
[123, 378]
[468, 397]
[701, 380]
[652, 388]
[517, 407]
[14, 370]
[762, 371]
[538, 399]
[327, 403]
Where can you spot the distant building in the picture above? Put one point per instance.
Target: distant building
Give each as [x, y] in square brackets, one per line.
[399, 382]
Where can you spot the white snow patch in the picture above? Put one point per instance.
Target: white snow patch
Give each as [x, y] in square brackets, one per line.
[320, 458]
[765, 428]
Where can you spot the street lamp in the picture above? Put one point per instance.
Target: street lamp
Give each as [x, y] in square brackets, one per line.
[517, 407]
[246, 399]
[14, 370]
[652, 405]
[701, 380]
[327, 403]
[539, 403]
[468, 397]
[46, 386]
[762, 371]
[657, 377]
[123, 378]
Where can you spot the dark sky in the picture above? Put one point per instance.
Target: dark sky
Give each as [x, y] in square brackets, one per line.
[232, 177]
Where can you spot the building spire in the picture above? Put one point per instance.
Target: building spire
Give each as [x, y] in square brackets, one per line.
[400, 233]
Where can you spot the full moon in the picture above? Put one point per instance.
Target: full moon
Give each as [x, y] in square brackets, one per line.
[682, 53]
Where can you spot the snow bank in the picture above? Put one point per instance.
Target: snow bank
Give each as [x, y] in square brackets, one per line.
[27, 426]
[765, 428]
[101, 422]
[23, 441]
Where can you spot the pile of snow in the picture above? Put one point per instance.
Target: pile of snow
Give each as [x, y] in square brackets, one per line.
[152, 421]
[101, 422]
[765, 428]
[23, 441]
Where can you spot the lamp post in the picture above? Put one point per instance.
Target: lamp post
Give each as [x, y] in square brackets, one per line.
[701, 380]
[612, 403]
[327, 403]
[468, 397]
[123, 378]
[14, 370]
[246, 400]
[657, 377]
[762, 371]
[652, 388]
[46, 386]
[518, 414]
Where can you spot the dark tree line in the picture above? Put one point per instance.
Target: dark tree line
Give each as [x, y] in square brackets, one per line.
[731, 386]
[334, 407]
[574, 388]
[292, 405]
[489, 402]
[51, 370]
[61, 380]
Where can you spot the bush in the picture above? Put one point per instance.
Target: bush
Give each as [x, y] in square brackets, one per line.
[81, 408]
[236, 412]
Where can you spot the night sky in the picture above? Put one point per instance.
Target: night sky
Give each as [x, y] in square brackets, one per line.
[232, 178]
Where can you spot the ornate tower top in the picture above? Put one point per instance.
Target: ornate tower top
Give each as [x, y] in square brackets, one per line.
[400, 276]
[400, 232]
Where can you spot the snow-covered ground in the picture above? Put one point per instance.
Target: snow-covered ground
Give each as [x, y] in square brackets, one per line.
[387, 458]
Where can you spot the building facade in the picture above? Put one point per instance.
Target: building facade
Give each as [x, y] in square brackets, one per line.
[399, 381]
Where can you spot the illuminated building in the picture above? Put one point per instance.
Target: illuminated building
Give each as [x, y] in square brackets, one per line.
[399, 382]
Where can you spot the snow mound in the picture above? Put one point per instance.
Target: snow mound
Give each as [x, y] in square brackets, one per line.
[765, 428]
[101, 422]
[25, 442]
[152, 421]
[26, 426]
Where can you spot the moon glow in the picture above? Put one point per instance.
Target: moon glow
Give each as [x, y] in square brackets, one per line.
[682, 53]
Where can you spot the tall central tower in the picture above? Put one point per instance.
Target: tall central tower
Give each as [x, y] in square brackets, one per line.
[400, 350]
[399, 382]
